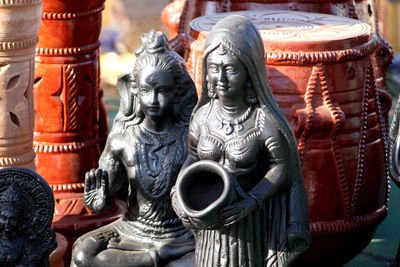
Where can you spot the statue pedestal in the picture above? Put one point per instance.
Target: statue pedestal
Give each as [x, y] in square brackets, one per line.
[329, 96]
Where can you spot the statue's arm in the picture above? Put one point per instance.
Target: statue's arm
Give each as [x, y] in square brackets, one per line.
[276, 150]
[103, 183]
[192, 157]
[111, 161]
[270, 184]
[193, 139]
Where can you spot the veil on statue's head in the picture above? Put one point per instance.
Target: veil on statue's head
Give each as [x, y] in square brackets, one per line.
[155, 52]
[240, 37]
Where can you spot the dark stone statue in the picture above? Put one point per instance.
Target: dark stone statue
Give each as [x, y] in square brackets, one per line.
[241, 190]
[144, 153]
[394, 146]
[26, 213]
[394, 160]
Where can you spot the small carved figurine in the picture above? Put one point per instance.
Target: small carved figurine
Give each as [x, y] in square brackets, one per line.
[26, 213]
[241, 190]
[144, 153]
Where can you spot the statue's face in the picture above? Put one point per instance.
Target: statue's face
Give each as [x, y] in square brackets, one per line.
[8, 222]
[156, 92]
[227, 74]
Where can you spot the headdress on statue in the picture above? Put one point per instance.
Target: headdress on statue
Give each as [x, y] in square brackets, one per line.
[155, 52]
[11, 198]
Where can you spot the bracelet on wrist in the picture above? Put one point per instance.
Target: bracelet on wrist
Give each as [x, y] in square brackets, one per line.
[258, 198]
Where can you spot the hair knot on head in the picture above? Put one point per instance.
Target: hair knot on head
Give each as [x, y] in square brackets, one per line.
[153, 42]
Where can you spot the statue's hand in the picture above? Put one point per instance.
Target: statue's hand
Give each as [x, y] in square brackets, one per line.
[178, 210]
[233, 213]
[97, 196]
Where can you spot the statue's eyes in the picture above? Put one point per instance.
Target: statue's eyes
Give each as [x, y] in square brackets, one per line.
[231, 69]
[163, 90]
[213, 68]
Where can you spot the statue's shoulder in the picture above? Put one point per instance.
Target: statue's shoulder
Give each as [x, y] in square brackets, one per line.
[267, 125]
[200, 116]
[118, 141]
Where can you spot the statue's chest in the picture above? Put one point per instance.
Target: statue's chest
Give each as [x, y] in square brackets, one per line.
[239, 148]
[10, 250]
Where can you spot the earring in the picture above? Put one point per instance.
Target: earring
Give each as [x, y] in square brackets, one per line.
[210, 89]
[250, 96]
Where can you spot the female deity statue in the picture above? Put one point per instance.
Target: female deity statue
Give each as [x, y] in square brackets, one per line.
[144, 153]
[238, 125]
[26, 212]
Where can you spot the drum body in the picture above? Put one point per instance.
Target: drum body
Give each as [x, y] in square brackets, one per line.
[321, 73]
[178, 15]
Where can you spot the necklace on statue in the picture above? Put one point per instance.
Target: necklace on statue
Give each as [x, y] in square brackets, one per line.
[230, 125]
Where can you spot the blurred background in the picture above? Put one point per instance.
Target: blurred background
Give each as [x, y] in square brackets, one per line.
[123, 23]
[125, 20]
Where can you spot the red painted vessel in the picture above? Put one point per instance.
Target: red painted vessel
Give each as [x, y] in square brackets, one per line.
[322, 75]
[69, 111]
[178, 15]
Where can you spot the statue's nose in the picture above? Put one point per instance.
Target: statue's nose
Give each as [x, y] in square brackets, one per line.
[222, 75]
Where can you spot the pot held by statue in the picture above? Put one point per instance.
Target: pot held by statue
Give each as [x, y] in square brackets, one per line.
[203, 189]
[322, 75]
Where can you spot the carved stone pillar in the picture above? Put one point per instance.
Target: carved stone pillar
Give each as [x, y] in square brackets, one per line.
[19, 25]
[68, 110]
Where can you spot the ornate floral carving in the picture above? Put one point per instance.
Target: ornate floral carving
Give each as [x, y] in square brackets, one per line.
[43, 147]
[74, 187]
[67, 51]
[73, 93]
[17, 45]
[70, 15]
[327, 228]
[17, 160]
[327, 57]
[19, 2]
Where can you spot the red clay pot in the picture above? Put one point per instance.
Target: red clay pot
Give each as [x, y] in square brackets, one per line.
[321, 72]
[69, 111]
[178, 15]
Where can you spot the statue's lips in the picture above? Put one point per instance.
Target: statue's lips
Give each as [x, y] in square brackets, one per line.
[153, 108]
[222, 88]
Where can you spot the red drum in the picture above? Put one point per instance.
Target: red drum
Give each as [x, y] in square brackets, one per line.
[178, 15]
[320, 70]
[69, 110]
